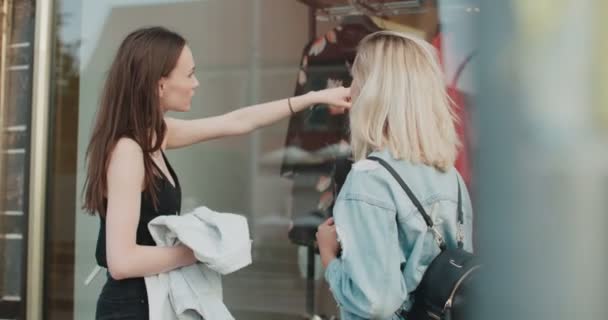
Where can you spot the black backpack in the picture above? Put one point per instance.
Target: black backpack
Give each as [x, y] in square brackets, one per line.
[444, 291]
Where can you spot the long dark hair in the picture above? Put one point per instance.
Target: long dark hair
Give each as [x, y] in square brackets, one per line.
[130, 107]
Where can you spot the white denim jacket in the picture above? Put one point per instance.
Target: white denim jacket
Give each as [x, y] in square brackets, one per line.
[386, 245]
[222, 245]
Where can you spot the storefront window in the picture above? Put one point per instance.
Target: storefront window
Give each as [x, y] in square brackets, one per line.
[527, 80]
[283, 178]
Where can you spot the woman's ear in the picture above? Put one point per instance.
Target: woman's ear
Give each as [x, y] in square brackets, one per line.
[161, 87]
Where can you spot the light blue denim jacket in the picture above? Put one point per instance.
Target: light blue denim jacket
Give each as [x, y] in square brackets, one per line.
[386, 246]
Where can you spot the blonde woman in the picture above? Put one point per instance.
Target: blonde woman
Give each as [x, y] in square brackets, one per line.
[377, 246]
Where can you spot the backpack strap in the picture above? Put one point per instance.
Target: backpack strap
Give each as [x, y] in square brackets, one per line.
[460, 235]
[410, 194]
[427, 218]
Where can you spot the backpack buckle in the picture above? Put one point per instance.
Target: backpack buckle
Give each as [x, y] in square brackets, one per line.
[438, 237]
[460, 233]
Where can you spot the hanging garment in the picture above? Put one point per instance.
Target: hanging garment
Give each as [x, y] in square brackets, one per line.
[461, 108]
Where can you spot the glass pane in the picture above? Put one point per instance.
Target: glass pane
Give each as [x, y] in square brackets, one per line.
[62, 195]
[13, 266]
[282, 176]
[528, 79]
[15, 179]
[17, 26]
[12, 222]
[16, 97]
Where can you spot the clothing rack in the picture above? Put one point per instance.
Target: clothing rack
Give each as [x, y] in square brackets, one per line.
[337, 10]
[326, 10]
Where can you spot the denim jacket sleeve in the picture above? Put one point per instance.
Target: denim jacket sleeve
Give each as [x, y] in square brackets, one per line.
[367, 279]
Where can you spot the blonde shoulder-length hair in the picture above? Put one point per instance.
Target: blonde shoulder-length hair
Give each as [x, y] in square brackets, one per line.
[400, 101]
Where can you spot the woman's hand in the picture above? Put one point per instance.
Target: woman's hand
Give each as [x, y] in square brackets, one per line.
[327, 240]
[337, 98]
[186, 254]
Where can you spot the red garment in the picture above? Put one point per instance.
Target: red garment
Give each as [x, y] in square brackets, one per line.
[463, 162]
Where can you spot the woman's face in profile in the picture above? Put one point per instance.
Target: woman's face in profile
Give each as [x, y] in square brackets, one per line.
[176, 90]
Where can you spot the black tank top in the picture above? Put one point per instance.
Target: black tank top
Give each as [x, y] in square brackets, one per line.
[169, 203]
